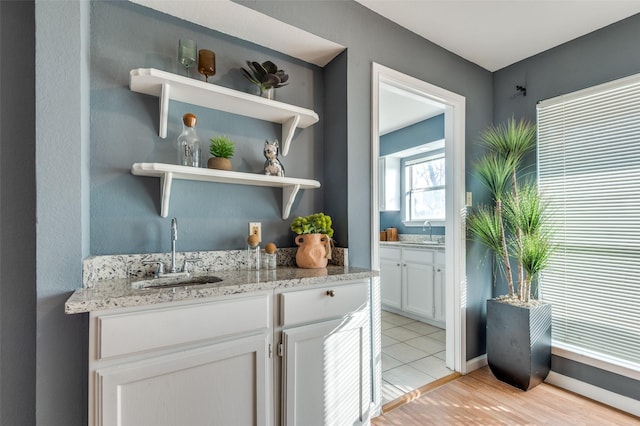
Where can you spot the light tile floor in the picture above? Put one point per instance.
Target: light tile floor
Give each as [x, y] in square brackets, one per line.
[413, 355]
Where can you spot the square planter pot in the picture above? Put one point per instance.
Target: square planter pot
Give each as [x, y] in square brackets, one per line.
[519, 343]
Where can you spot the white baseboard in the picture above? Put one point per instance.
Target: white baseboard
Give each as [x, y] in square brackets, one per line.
[604, 396]
[475, 363]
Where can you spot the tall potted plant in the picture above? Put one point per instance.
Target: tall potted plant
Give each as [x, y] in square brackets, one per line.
[515, 228]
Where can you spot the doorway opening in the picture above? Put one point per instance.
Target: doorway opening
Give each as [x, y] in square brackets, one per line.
[437, 339]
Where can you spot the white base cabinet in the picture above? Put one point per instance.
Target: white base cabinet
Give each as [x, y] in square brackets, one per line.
[200, 363]
[412, 283]
[214, 362]
[391, 277]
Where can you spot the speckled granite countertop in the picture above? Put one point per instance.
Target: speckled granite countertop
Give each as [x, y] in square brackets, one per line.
[106, 286]
[416, 241]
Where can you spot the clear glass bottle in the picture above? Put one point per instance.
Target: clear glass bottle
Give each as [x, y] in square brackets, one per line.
[253, 253]
[189, 142]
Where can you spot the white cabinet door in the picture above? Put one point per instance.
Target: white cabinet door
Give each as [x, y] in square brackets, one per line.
[326, 373]
[220, 384]
[417, 292]
[390, 283]
[391, 277]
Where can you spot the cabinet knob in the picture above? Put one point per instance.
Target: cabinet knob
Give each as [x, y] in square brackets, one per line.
[331, 293]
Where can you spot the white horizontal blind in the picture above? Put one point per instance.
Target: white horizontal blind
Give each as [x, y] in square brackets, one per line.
[589, 170]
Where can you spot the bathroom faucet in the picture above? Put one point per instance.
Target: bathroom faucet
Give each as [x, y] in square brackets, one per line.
[424, 228]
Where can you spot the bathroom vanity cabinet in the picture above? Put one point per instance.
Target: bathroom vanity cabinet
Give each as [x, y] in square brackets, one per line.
[294, 356]
[412, 282]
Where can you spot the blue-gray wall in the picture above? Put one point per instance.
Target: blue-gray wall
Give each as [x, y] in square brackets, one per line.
[429, 130]
[124, 129]
[608, 54]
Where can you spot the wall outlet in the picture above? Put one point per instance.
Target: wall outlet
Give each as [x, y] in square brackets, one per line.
[255, 228]
[469, 199]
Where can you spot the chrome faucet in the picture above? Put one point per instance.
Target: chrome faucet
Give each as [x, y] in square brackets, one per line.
[174, 237]
[424, 228]
[173, 269]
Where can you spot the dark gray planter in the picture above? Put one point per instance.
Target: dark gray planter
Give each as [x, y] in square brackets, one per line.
[519, 343]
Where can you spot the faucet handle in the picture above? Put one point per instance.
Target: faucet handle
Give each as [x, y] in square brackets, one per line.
[159, 269]
[186, 263]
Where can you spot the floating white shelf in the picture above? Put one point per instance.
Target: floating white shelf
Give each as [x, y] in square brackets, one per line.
[168, 86]
[168, 172]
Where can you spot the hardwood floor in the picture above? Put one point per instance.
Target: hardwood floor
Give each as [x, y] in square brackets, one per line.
[480, 399]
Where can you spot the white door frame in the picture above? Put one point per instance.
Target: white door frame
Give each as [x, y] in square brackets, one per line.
[455, 243]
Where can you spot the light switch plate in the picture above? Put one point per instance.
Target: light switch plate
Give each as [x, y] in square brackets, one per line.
[469, 199]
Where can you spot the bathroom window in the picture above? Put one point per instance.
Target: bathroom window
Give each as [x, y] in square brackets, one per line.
[424, 189]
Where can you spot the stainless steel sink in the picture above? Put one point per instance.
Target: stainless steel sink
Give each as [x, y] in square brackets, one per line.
[180, 281]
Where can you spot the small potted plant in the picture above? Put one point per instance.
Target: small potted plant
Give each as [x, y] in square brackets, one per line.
[314, 240]
[221, 149]
[266, 76]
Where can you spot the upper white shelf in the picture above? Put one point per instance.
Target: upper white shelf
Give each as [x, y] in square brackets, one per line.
[168, 172]
[168, 86]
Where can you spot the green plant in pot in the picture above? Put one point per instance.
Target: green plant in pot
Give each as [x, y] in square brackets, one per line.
[515, 227]
[221, 148]
[314, 240]
[266, 76]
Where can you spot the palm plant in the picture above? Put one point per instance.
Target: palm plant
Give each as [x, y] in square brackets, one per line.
[515, 227]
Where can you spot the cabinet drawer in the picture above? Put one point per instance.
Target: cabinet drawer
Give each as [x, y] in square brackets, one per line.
[390, 253]
[132, 332]
[318, 303]
[417, 255]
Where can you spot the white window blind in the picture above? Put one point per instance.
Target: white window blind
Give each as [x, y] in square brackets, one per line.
[589, 170]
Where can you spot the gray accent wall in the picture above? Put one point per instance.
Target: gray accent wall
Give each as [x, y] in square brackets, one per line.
[17, 214]
[601, 56]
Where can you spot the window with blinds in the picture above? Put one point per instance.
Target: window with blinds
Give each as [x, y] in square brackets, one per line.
[589, 170]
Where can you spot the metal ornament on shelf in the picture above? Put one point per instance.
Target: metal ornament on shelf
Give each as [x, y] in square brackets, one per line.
[273, 166]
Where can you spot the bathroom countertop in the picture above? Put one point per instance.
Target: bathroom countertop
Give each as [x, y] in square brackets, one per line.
[412, 244]
[118, 292]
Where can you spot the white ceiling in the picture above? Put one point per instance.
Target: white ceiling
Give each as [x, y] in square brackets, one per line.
[400, 108]
[498, 33]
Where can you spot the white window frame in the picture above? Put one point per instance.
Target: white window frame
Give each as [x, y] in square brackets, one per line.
[427, 156]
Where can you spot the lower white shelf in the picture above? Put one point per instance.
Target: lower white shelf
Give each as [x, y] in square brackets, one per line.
[168, 172]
